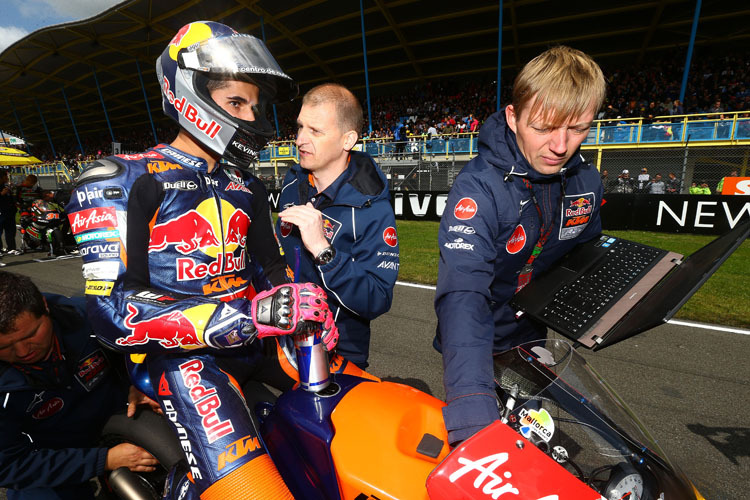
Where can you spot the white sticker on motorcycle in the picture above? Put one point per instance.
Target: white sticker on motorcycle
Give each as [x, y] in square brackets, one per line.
[536, 422]
[485, 467]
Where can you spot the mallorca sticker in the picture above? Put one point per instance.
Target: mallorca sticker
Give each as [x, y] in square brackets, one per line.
[537, 422]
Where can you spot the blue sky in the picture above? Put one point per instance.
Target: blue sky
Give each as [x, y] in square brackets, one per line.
[18, 18]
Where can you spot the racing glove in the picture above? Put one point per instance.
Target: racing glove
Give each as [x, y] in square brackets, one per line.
[283, 310]
[287, 308]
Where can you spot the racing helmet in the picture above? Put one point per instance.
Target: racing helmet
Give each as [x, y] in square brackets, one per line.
[206, 50]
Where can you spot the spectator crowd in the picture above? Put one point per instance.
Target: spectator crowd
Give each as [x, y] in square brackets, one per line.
[439, 108]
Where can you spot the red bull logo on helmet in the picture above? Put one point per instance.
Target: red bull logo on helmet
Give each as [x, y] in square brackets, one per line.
[171, 330]
[190, 112]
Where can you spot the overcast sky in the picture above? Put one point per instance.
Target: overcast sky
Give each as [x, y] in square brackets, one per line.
[18, 18]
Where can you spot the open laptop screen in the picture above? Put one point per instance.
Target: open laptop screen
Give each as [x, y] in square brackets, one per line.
[677, 287]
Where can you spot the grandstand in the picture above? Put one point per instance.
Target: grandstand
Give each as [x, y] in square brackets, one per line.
[81, 90]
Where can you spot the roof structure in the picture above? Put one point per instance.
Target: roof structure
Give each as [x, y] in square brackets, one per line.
[73, 69]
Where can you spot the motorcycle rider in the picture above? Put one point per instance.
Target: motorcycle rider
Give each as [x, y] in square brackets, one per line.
[176, 245]
[521, 204]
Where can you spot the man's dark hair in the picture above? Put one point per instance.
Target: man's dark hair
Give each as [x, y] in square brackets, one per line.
[18, 294]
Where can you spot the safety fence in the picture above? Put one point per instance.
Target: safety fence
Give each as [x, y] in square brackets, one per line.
[700, 149]
[662, 131]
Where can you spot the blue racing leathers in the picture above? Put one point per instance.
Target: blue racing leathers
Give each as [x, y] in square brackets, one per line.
[496, 212]
[171, 255]
[359, 223]
[52, 411]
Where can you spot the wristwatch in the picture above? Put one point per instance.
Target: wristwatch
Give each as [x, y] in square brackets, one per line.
[325, 256]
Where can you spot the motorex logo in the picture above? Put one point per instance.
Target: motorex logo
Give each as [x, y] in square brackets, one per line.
[97, 235]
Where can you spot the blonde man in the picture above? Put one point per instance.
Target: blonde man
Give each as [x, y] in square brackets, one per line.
[525, 201]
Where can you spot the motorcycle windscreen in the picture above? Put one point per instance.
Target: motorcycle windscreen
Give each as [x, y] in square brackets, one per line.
[562, 406]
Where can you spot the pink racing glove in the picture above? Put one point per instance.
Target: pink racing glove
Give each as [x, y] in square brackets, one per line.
[285, 309]
[329, 334]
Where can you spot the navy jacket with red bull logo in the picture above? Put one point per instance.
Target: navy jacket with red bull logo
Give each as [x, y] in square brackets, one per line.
[359, 223]
[170, 251]
[51, 413]
[487, 234]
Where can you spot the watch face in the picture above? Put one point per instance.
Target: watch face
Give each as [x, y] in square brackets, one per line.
[325, 256]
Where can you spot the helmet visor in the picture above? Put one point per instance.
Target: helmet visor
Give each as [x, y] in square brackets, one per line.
[236, 54]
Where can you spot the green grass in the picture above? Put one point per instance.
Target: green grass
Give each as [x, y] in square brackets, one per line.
[724, 299]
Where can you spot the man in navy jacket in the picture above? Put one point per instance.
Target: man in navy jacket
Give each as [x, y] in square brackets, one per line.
[57, 389]
[520, 205]
[337, 228]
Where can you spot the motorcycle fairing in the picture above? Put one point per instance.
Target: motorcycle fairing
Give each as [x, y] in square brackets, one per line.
[496, 462]
[376, 449]
[359, 443]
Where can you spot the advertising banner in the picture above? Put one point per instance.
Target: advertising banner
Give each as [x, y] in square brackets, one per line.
[700, 214]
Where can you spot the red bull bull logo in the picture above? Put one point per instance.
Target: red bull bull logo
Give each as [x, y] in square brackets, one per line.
[187, 233]
[208, 230]
[579, 206]
[172, 329]
[237, 228]
[328, 229]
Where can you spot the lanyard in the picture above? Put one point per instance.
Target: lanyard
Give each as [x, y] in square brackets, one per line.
[525, 276]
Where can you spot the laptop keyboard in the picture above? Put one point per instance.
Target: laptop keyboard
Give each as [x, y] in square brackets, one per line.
[576, 306]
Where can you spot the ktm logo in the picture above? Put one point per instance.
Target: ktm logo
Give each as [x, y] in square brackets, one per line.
[223, 283]
[237, 450]
[161, 166]
[577, 221]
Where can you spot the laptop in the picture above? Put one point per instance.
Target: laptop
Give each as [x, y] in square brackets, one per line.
[609, 289]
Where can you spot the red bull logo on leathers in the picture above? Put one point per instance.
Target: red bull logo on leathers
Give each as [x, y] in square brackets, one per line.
[187, 233]
[237, 227]
[171, 330]
[203, 231]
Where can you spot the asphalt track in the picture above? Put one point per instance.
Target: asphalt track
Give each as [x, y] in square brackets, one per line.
[689, 384]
